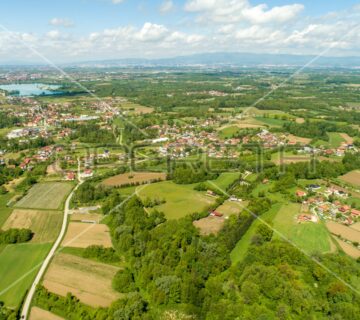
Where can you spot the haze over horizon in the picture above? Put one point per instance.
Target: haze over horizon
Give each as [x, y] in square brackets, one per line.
[117, 29]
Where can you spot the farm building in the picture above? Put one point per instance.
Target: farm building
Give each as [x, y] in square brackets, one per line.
[216, 214]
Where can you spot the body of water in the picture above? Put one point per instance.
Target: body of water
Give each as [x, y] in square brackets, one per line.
[30, 89]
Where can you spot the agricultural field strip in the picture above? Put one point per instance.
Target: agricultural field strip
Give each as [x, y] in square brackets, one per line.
[43, 196]
[345, 232]
[89, 281]
[27, 302]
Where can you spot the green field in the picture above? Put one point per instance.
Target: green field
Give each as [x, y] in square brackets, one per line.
[353, 201]
[311, 237]
[288, 157]
[272, 122]
[4, 210]
[181, 200]
[18, 266]
[48, 195]
[225, 180]
[335, 139]
[240, 250]
[229, 132]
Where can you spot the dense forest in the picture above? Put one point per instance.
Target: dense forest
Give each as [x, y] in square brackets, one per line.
[172, 270]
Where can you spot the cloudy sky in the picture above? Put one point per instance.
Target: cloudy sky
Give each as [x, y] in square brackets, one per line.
[76, 30]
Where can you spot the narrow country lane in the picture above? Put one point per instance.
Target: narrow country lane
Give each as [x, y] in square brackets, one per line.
[27, 303]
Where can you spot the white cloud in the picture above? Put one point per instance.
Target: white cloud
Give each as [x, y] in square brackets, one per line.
[167, 6]
[241, 10]
[53, 34]
[259, 15]
[151, 32]
[231, 25]
[202, 5]
[227, 28]
[61, 22]
[117, 1]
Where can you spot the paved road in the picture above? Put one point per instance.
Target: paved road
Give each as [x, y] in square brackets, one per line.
[27, 303]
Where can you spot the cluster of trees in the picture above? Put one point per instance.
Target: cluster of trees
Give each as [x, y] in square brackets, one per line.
[33, 176]
[7, 313]
[68, 307]
[91, 133]
[7, 120]
[150, 203]
[187, 174]
[309, 170]
[7, 174]
[317, 130]
[15, 236]
[236, 226]
[107, 255]
[169, 260]
[14, 144]
[276, 281]
[89, 192]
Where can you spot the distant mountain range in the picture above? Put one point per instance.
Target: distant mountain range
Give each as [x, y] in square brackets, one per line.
[231, 59]
[219, 59]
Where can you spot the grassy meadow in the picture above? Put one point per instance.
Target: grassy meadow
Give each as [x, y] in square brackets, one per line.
[181, 200]
[311, 237]
[45, 196]
[18, 266]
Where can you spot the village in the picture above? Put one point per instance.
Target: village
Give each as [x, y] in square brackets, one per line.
[326, 203]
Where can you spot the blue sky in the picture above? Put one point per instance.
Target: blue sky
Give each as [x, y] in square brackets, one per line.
[70, 30]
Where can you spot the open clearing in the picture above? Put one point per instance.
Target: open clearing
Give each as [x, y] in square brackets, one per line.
[356, 226]
[344, 231]
[349, 249]
[229, 132]
[44, 224]
[352, 177]
[53, 169]
[133, 178]
[247, 125]
[40, 314]
[48, 195]
[346, 138]
[82, 235]
[224, 180]
[271, 122]
[335, 139]
[250, 123]
[229, 208]
[286, 158]
[258, 112]
[134, 108]
[311, 237]
[86, 217]
[11, 185]
[209, 225]
[88, 280]
[297, 139]
[17, 260]
[212, 225]
[181, 200]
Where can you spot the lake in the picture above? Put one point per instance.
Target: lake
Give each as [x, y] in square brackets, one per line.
[31, 89]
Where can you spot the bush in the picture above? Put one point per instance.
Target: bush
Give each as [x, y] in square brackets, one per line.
[124, 281]
[15, 236]
[100, 253]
